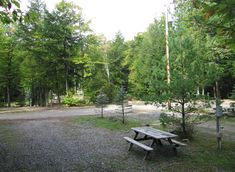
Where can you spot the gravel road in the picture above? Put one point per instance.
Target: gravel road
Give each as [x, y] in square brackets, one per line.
[44, 113]
[62, 145]
[49, 140]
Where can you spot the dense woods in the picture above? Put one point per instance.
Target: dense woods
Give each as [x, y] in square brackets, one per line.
[49, 55]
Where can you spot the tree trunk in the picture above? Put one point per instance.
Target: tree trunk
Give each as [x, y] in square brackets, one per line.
[58, 91]
[66, 84]
[203, 91]
[40, 96]
[198, 91]
[123, 113]
[102, 112]
[217, 89]
[214, 92]
[75, 80]
[32, 96]
[46, 97]
[8, 96]
[58, 95]
[183, 118]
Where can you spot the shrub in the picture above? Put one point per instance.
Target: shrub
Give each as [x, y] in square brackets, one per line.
[174, 123]
[73, 101]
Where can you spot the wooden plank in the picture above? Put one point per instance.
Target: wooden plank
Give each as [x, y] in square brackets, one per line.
[145, 147]
[154, 133]
[178, 143]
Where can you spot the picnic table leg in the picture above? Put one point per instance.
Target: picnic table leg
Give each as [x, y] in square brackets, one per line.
[131, 144]
[146, 155]
[159, 142]
[136, 134]
[173, 146]
[154, 141]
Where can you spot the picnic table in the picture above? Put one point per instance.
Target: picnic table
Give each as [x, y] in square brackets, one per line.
[155, 136]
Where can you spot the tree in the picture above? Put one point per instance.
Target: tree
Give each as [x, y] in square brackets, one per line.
[217, 17]
[66, 30]
[34, 67]
[148, 68]
[233, 93]
[9, 63]
[121, 100]
[10, 11]
[116, 54]
[96, 78]
[101, 102]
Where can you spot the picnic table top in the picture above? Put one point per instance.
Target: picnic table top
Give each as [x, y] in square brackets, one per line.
[155, 133]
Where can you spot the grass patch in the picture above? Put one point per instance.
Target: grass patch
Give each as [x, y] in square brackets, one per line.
[204, 153]
[111, 123]
[228, 119]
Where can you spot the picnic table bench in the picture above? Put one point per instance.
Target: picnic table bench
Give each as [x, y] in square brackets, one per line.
[127, 109]
[155, 135]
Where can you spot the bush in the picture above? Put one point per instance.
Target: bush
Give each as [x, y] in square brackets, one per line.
[168, 120]
[174, 124]
[21, 103]
[73, 101]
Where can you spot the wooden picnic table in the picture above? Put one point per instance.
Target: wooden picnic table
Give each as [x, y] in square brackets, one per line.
[155, 135]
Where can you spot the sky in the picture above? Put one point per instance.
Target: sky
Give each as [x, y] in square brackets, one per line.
[110, 16]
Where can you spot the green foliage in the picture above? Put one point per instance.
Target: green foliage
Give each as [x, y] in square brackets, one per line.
[148, 74]
[121, 99]
[9, 64]
[121, 96]
[175, 124]
[10, 11]
[233, 93]
[217, 17]
[96, 77]
[55, 51]
[101, 101]
[168, 120]
[118, 75]
[73, 101]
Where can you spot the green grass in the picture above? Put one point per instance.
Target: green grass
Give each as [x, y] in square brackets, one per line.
[111, 123]
[203, 153]
[228, 119]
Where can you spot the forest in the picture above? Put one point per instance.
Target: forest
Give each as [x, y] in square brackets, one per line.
[47, 55]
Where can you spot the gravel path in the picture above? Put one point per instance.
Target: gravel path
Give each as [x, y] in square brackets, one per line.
[48, 113]
[61, 145]
[43, 113]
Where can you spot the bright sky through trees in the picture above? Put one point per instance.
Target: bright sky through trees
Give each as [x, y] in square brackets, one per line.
[110, 16]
